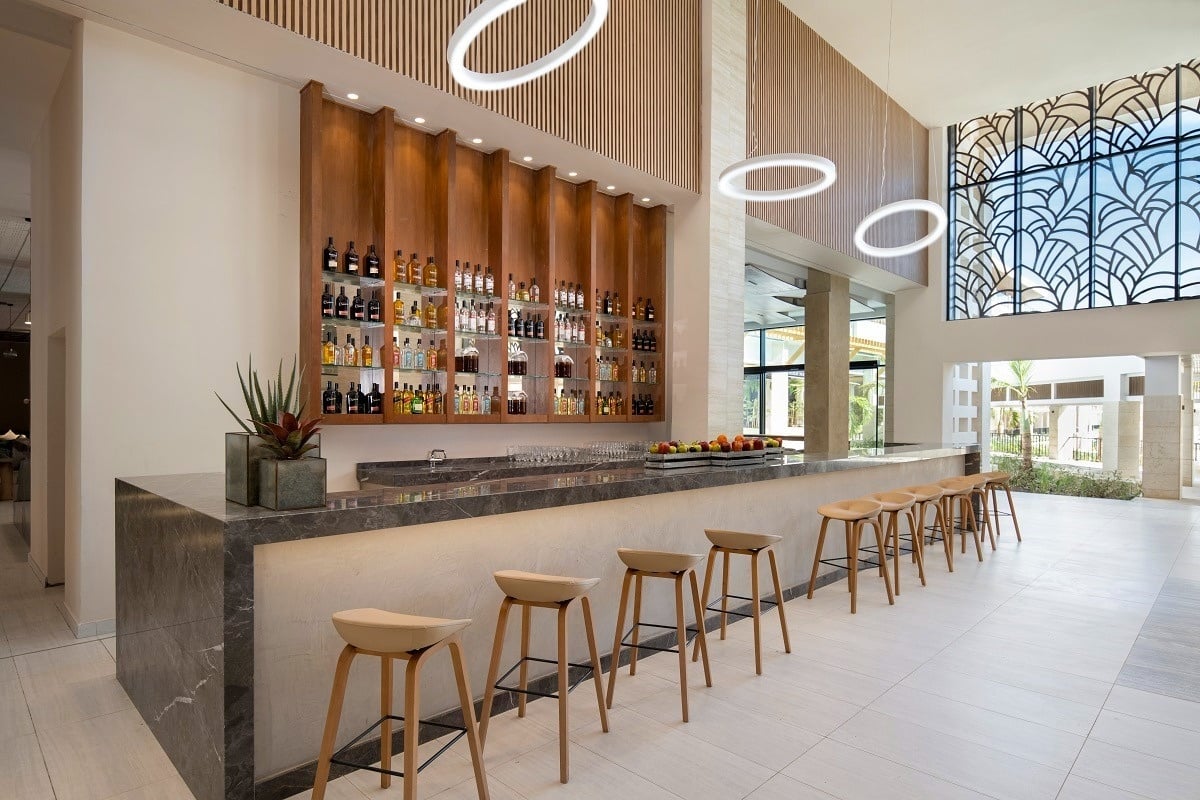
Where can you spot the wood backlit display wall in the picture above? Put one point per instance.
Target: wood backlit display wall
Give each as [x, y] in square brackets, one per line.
[369, 179]
[633, 94]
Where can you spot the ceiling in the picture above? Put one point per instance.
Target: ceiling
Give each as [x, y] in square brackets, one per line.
[775, 290]
[956, 59]
[14, 273]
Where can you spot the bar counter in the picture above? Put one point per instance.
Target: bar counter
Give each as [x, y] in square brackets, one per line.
[223, 636]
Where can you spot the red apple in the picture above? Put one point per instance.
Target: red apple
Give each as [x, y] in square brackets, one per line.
[704, 447]
[759, 445]
[663, 448]
[726, 447]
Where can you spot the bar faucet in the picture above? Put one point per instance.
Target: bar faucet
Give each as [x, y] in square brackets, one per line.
[436, 457]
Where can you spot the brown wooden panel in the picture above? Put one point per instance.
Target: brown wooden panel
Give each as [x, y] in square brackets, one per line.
[633, 94]
[1075, 390]
[1137, 385]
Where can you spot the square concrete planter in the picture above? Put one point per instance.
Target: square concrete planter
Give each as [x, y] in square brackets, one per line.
[243, 451]
[288, 485]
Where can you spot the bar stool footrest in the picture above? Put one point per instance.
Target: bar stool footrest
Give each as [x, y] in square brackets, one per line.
[687, 639]
[834, 562]
[518, 690]
[336, 758]
[761, 600]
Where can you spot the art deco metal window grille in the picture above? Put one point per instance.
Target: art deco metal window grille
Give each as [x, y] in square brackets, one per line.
[1086, 200]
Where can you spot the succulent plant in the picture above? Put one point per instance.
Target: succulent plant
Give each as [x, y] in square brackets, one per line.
[289, 438]
[271, 405]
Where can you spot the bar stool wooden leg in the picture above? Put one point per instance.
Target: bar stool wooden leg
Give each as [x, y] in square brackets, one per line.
[637, 618]
[893, 532]
[412, 724]
[700, 634]
[474, 742]
[385, 711]
[853, 535]
[591, 640]
[1012, 510]
[616, 651]
[724, 592]
[564, 757]
[756, 612]
[523, 683]
[336, 696]
[947, 542]
[968, 515]
[918, 545]
[708, 576]
[787, 645]
[987, 519]
[681, 634]
[995, 506]
[883, 561]
[812, 581]
[489, 693]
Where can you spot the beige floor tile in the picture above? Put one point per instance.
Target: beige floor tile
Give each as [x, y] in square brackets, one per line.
[103, 756]
[22, 771]
[1077, 788]
[781, 787]
[14, 711]
[70, 684]
[170, 789]
[1149, 737]
[340, 789]
[467, 790]
[1158, 707]
[534, 776]
[1136, 772]
[110, 644]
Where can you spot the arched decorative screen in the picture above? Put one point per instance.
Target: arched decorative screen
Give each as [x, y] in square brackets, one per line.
[1086, 200]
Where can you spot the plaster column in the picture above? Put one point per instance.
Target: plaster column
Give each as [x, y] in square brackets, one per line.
[1187, 421]
[1162, 417]
[827, 364]
[1128, 439]
[1056, 415]
[707, 292]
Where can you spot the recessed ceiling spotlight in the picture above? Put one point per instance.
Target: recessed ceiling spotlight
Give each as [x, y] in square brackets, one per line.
[610, 187]
[419, 120]
[527, 159]
[572, 174]
[351, 96]
[645, 199]
[477, 140]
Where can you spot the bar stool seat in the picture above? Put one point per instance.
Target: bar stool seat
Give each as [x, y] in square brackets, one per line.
[739, 540]
[893, 501]
[927, 494]
[387, 632]
[658, 561]
[961, 488]
[996, 481]
[855, 514]
[850, 510]
[534, 588]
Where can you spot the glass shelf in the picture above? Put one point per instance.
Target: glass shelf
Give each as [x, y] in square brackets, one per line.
[487, 337]
[421, 330]
[414, 371]
[347, 279]
[478, 375]
[612, 319]
[416, 288]
[644, 383]
[610, 381]
[527, 340]
[574, 380]
[341, 369]
[531, 377]
[342, 322]
[573, 345]
[612, 349]
[643, 324]
[572, 312]
[527, 305]
[481, 297]
[645, 353]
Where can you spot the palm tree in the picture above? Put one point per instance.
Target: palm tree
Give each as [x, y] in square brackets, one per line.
[1021, 388]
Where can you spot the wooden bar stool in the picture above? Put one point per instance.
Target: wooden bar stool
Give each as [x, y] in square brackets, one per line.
[530, 590]
[856, 514]
[656, 564]
[930, 494]
[995, 482]
[960, 490]
[979, 489]
[729, 543]
[372, 632]
[894, 505]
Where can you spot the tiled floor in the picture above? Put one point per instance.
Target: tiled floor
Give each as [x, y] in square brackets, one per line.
[1067, 667]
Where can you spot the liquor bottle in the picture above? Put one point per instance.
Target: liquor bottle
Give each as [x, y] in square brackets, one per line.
[441, 355]
[418, 401]
[457, 399]
[407, 359]
[539, 328]
[475, 405]
[367, 355]
[653, 373]
[351, 260]
[458, 275]
[569, 300]
[473, 318]
[612, 405]
[341, 305]
[431, 357]
[512, 288]
[358, 309]
[395, 352]
[408, 400]
[375, 400]
[485, 405]
[489, 283]
[327, 399]
[601, 408]
[615, 371]
[579, 296]
[398, 309]
[329, 258]
[491, 319]
[431, 315]
[412, 271]
[374, 308]
[327, 302]
[414, 316]
[618, 336]
[535, 292]
[513, 315]
[477, 280]
[608, 341]
[328, 356]
[351, 400]
[496, 400]
[607, 303]
[431, 274]
[522, 292]
[349, 356]
[653, 342]
[438, 401]
[397, 398]
[599, 305]
[337, 398]
[372, 263]
[560, 294]
[635, 311]
[616, 309]
[419, 356]
[649, 310]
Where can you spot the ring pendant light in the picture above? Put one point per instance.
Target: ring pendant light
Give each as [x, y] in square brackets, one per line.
[934, 210]
[488, 12]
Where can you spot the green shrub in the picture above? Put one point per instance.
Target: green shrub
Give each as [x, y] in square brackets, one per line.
[1054, 479]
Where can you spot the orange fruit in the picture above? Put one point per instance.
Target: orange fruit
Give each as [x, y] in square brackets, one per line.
[722, 438]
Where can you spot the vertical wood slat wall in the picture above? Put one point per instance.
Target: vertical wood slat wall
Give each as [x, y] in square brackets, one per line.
[808, 98]
[633, 94]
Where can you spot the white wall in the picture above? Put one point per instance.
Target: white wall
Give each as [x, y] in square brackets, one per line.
[926, 343]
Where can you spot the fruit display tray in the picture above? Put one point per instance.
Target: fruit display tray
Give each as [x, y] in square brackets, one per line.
[737, 458]
[676, 460]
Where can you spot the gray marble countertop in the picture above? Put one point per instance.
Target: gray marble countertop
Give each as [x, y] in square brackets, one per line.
[472, 491]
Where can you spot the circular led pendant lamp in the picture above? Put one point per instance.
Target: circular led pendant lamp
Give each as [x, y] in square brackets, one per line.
[934, 210]
[728, 184]
[488, 12]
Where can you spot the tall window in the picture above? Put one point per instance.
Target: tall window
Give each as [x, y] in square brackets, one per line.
[1086, 200]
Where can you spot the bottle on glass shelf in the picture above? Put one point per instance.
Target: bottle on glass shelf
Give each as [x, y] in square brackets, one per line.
[358, 309]
[485, 403]
[327, 406]
[618, 336]
[535, 291]
[419, 356]
[539, 328]
[512, 288]
[476, 405]
[599, 304]
[374, 308]
[328, 356]
[513, 316]
[351, 260]
[337, 398]
[407, 358]
[489, 324]
[431, 315]
[395, 352]
[653, 376]
[371, 262]
[327, 302]
[329, 257]
[407, 402]
[569, 297]
[349, 354]
[616, 309]
[398, 309]
[489, 283]
[560, 292]
[375, 400]
[635, 311]
[339, 355]
[412, 271]
[649, 310]
[607, 303]
[477, 280]
[399, 268]
[431, 274]
[414, 316]
[495, 400]
[431, 357]
[458, 275]
[616, 371]
[367, 354]
[418, 401]
[439, 400]
[441, 356]
[341, 304]
[397, 398]
[352, 399]
[653, 342]
[522, 292]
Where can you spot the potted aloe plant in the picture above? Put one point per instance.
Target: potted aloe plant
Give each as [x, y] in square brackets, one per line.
[288, 479]
[244, 450]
